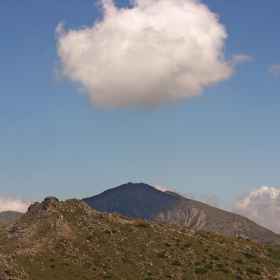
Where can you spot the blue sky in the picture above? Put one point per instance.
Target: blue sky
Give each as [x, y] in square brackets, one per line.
[223, 143]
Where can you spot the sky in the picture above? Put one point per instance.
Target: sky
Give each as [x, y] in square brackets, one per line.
[178, 94]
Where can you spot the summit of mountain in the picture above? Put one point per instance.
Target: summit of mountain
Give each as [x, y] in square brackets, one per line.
[146, 202]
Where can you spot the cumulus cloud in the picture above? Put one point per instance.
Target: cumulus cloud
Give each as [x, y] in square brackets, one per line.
[274, 70]
[156, 52]
[211, 200]
[13, 204]
[241, 58]
[262, 206]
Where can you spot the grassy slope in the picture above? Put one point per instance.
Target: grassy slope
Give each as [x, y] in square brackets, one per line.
[71, 241]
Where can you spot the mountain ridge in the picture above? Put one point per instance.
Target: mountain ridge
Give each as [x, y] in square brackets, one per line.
[145, 202]
[69, 240]
[8, 216]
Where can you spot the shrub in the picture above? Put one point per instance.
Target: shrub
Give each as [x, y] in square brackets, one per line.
[167, 244]
[187, 245]
[238, 277]
[248, 256]
[253, 271]
[239, 261]
[223, 270]
[201, 270]
[142, 225]
[176, 263]
[216, 258]
[168, 276]
[161, 256]
[208, 265]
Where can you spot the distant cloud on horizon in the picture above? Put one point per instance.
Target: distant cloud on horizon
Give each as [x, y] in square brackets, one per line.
[261, 206]
[164, 189]
[274, 69]
[13, 204]
[210, 200]
[155, 53]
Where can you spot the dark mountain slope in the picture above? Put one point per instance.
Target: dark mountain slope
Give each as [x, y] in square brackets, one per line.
[8, 216]
[69, 240]
[134, 200]
[146, 202]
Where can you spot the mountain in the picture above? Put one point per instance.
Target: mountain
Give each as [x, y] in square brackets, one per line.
[69, 240]
[145, 202]
[7, 216]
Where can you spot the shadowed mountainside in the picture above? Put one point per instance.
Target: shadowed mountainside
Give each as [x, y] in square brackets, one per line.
[8, 216]
[69, 240]
[145, 202]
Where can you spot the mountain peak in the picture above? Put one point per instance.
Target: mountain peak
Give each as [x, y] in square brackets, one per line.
[143, 201]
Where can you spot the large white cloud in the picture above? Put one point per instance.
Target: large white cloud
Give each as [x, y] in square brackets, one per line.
[156, 52]
[261, 206]
[13, 204]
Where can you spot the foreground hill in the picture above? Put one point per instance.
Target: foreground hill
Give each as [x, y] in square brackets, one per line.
[145, 202]
[7, 216]
[69, 240]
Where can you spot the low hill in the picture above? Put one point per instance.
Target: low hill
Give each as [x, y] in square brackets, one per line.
[8, 216]
[145, 202]
[69, 240]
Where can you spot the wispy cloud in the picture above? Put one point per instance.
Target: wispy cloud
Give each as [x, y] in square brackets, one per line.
[154, 53]
[262, 206]
[164, 189]
[189, 195]
[241, 58]
[274, 70]
[13, 204]
[211, 200]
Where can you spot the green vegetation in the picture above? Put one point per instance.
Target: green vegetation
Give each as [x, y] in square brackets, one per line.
[71, 241]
